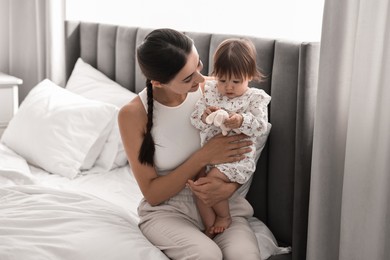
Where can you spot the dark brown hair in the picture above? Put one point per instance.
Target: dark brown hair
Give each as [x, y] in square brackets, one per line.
[161, 55]
[236, 57]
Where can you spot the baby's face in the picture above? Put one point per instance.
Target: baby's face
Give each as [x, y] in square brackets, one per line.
[232, 87]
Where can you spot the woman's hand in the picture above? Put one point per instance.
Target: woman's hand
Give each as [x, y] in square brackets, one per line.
[225, 149]
[212, 190]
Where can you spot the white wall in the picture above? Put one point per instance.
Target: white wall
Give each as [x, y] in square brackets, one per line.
[283, 19]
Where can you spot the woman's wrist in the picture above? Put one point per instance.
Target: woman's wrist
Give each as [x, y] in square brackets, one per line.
[199, 160]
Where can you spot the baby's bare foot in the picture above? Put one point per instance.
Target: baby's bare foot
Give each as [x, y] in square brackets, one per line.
[221, 224]
[210, 232]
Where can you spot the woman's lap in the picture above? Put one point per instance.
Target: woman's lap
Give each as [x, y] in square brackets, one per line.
[238, 241]
[176, 228]
[179, 238]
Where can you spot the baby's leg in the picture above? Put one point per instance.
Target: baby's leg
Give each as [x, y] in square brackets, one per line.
[206, 212]
[222, 218]
[221, 209]
[208, 217]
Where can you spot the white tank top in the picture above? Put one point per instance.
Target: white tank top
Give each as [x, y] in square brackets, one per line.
[175, 138]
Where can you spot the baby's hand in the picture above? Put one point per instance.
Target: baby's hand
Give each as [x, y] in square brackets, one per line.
[208, 111]
[234, 121]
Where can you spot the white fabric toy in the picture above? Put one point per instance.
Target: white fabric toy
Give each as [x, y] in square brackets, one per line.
[218, 118]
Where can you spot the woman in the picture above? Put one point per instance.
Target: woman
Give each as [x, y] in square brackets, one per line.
[164, 151]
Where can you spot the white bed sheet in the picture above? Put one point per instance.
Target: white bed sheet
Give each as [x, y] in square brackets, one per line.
[45, 223]
[46, 216]
[117, 186]
[38, 211]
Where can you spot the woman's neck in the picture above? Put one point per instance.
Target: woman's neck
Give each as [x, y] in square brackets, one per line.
[168, 98]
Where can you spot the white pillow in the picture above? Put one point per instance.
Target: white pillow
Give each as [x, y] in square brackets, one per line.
[266, 240]
[89, 82]
[110, 152]
[58, 130]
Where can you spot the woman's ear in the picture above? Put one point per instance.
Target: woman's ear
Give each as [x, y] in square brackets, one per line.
[156, 83]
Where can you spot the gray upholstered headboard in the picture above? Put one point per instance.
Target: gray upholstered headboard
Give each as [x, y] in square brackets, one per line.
[280, 188]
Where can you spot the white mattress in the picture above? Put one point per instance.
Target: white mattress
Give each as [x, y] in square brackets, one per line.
[94, 216]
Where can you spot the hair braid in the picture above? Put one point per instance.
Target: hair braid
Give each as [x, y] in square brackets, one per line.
[161, 55]
[146, 153]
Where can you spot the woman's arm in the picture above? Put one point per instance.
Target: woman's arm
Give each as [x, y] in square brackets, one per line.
[156, 189]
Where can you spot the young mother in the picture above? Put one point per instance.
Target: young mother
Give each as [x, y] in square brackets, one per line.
[164, 152]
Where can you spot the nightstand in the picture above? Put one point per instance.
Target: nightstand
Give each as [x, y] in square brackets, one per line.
[9, 99]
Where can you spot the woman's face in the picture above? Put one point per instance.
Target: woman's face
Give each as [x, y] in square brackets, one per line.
[189, 77]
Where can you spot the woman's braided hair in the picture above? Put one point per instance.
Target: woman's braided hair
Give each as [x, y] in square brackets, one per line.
[161, 55]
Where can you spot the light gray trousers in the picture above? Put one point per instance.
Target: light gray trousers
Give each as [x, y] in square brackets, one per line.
[175, 227]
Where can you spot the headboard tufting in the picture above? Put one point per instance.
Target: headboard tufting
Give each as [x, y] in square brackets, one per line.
[280, 189]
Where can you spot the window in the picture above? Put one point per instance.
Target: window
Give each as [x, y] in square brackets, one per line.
[282, 19]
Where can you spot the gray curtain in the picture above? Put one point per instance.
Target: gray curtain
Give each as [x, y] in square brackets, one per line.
[32, 41]
[349, 213]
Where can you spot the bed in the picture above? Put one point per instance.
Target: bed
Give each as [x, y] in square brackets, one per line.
[66, 189]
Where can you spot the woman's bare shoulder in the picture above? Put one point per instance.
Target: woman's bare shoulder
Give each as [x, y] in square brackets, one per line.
[132, 112]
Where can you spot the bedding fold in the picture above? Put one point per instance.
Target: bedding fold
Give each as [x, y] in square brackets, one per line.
[14, 169]
[57, 225]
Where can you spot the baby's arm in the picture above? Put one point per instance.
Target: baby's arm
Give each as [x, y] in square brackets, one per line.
[234, 121]
[197, 115]
[255, 119]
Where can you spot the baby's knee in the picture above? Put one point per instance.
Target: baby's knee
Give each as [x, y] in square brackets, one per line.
[216, 173]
